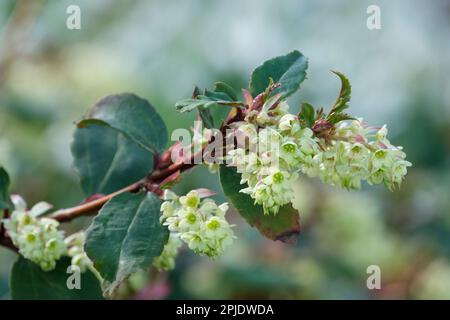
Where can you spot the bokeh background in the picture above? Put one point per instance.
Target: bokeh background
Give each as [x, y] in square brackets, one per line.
[49, 76]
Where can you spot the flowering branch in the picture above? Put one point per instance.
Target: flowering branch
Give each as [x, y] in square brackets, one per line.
[266, 149]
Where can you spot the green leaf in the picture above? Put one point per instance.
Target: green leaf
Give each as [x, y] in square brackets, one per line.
[29, 282]
[106, 160]
[344, 94]
[202, 101]
[5, 203]
[223, 95]
[227, 89]
[284, 226]
[187, 105]
[337, 117]
[217, 96]
[126, 236]
[307, 114]
[288, 70]
[134, 117]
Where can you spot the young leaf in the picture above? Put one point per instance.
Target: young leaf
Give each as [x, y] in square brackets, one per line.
[284, 226]
[336, 117]
[307, 114]
[133, 116]
[223, 95]
[227, 89]
[217, 96]
[106, 160]
[288, 70]
[29, 282]
[187, 105]
[203, 101]
[344, 94]
[125, 236]
[5, 203]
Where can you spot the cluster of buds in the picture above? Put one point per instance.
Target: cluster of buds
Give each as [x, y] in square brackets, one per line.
[166, 260]
[199, 223]
[38, 240]
[75, 245]
[274, 146]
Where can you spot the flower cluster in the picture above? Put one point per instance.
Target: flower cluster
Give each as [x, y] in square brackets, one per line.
[199, 223]
[274, 146]
[166, 261]
[75, 245]
[37, 239]
[356, 153]
[270, 148]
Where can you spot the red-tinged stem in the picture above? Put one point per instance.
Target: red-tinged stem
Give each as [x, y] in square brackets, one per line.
[149, 182]
[68, 214]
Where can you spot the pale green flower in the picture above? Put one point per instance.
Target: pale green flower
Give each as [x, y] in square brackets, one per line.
[169, 195]
[199, 223]
[75, 244]
[191, 200]
[166, 261]
[37, 239]
[289, 124]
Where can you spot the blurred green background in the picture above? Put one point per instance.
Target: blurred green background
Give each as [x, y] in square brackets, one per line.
[49, 77]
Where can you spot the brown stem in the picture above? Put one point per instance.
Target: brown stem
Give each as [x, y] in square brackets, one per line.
[65, 215]
[69, 214]
[159, 175]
